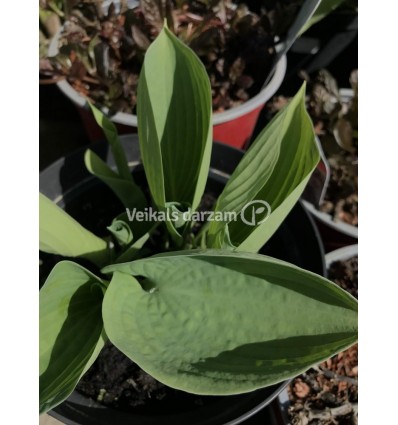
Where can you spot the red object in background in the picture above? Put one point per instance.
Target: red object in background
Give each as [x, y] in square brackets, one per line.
[237, 132]
[233, 127]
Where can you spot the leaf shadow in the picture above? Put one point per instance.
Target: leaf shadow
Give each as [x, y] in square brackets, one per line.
[74, 344]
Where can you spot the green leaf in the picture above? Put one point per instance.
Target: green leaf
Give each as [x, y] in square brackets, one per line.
[214, 322]
[125, 189]
[132, 236]
[274, 171]
[111, 135]
[134, 250]
[121, 231]
[325, 7]
[138, 227]
[61, 234]
[305, 13]
[57, 7]
[174, 122]
[71, 330]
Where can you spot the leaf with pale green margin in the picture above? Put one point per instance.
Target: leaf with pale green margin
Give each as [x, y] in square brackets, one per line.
[174, 122]
[325, 7]
[71, 330]
[112, 137]
[215, 322]
[126, 190]
[60, 234]
[276, 170]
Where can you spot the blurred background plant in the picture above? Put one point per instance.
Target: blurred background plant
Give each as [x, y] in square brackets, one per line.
[52, 14]
[102, 44]
[335, 115]
[334, 111]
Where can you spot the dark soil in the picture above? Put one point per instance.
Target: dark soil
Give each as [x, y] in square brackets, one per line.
[207, 203]
[345, 274]
[116, 381]
[328, 394]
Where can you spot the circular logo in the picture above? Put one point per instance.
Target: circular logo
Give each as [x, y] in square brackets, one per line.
[253, 212]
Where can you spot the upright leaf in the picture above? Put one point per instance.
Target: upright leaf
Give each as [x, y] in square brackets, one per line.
[71, 330]
[125, 189]
[217, 322]
[132, 251]
[61, 234]
[112, 137]
[275, 171]
[324, 8]
[305, 13]
[174, 122]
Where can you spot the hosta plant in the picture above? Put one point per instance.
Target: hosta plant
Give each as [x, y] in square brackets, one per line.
[206, 314]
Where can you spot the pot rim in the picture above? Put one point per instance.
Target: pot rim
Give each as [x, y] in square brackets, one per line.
[341, 254]
[260, 406]
[339, 225]
[247, 415]
[218, 118]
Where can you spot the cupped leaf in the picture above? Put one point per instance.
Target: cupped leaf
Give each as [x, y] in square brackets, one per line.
[125, 189]
[218, 322]
[122, 232]
[71, 330]
[174, 122]
[131, 236]
[136, 221]
[273, 172]
[61, 234]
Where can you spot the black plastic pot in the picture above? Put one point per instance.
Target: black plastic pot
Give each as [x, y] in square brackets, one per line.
[89, 201]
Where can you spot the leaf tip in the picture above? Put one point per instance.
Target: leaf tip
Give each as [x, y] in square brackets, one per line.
[303, 88]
